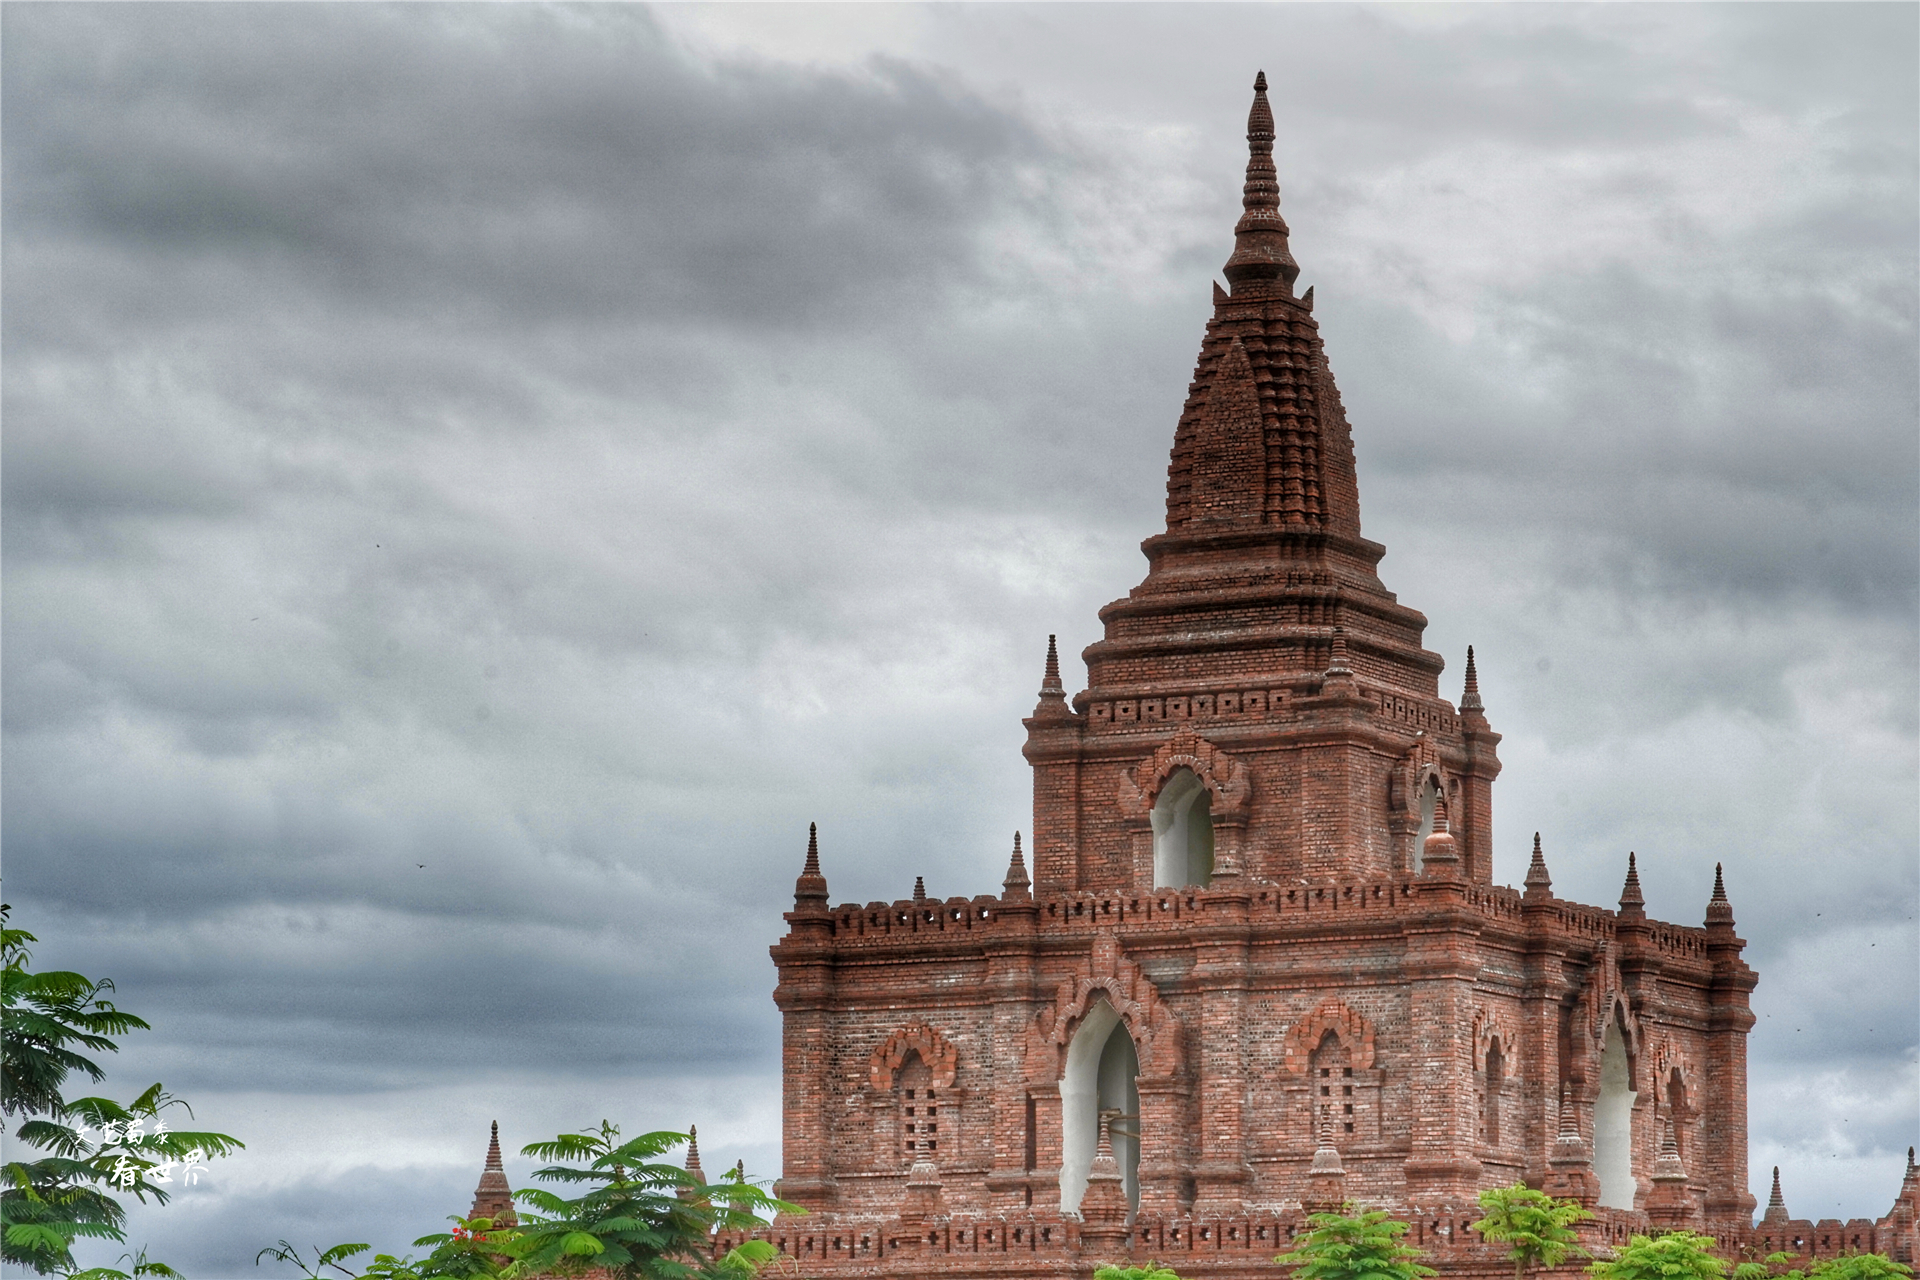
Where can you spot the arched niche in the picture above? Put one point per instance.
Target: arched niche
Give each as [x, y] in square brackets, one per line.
[1182, 832]
[1100, 1077]
[1495, 1076]
[1613, 1119]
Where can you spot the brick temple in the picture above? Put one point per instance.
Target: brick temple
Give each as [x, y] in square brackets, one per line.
[1257, 965]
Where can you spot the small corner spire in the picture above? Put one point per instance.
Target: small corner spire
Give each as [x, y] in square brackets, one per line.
[1260, 250]
[1053, 695]
[1470, 696]
[1538, 882]
[1719, 910]
[1017, 885]
[493, 1149]
[919, 888]
[491, 1199]
[1776, 1203]
[1440, 855]
[811, 888]
[1632, 901]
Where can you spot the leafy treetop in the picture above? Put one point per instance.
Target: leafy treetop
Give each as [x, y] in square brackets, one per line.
[1358, 1246]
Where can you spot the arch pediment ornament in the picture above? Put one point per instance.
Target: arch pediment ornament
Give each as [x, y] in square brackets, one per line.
[1335, 1015]
[942, 1059]
[1120, 982]
[1224, 777]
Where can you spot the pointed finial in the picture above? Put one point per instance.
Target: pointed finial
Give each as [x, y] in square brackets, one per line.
[1470, 698]
[811, 888]
[1260, 238]
[1539, 884]
[1776, 1203]
[1016, 885]
[1337, 667]
[740, 1169]
[1632, 902]
[493, 1148]
[1053, 695]
[1719, 910]
[693, 1154]
[919, 888]
[1910, 1166]
[1666, 1165]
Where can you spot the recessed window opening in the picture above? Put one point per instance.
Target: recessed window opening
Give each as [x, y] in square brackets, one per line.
[1100, 1079]
[1183, 833]
[1496, 1075]
[1613, 1120]
[919, 1109]
[1677, 1108]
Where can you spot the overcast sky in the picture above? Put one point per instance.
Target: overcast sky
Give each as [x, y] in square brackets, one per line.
[574, 448]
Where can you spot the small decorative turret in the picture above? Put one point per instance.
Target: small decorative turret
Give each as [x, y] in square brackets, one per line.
[1053, 694]
[1570, 1173]
[1539, 883]
[1337, 668]
[1440, 856]
[1260, 250]
[492, 1199]
[1104, 1203]
[1670, 1204]
[810, 890]
[1777, 1203]
[1326, 1176]
[1016, 885]
[924, 1199]
[919, 888]
[1470, 697]
[1719, 910]
[1633, 904]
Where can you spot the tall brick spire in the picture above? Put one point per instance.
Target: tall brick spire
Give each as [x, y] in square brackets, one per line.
[1719, 910]
[1776, 1203]
[1017, 885]
[492, 1199]
[1470, 696]
[1053, 695]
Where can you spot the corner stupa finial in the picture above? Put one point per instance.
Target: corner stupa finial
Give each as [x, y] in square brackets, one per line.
[1470, 696]
[1260, 250]
[1539, 883]
[919, 888]
[1017, 885]
[1632, 901]
[811, 887]
[1053, 695]
[1776, 1203]
[1719, 910]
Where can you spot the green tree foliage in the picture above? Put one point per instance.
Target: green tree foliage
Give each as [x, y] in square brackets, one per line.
[1152, 1271]
[1537, 1228]
[1360, 1246]
[1847, 1266]
[82, 1149]
[1677, 1255]
[637, 1217]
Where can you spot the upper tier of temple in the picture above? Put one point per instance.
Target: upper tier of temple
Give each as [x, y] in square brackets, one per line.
[1262, 561]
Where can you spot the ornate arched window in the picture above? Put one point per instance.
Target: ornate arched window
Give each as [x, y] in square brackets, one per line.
[1613, 1119]
[1182, 832]
[1100, 1081]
